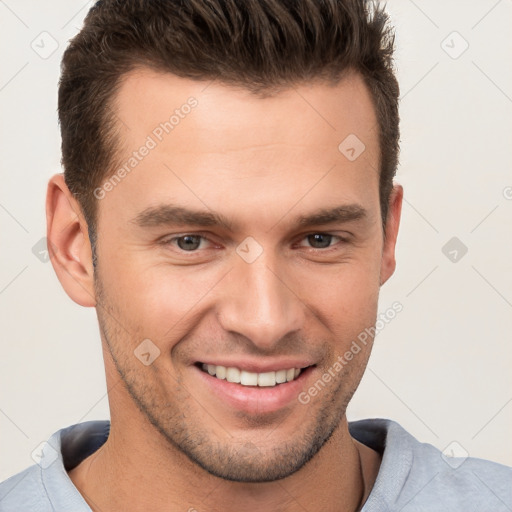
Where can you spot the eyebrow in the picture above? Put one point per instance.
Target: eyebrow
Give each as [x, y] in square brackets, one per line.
[170, 215]
[164, 215]
[339, 214]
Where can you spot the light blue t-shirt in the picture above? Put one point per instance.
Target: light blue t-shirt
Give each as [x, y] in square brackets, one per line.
[413, 476]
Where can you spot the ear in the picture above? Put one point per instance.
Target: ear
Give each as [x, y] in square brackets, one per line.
[388, 263]
[68, 243]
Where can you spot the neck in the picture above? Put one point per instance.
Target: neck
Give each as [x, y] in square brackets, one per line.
[137, 469]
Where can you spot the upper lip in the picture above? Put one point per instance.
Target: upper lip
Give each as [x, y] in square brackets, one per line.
[260, 366]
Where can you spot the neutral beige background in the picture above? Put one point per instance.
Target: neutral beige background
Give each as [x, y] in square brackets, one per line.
[441, 368]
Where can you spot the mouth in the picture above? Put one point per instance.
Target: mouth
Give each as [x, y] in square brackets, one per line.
[251, 379]
[252, 392]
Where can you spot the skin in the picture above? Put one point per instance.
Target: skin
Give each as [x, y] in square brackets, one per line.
[260, 162]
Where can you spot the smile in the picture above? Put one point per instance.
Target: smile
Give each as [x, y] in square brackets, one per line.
[246, 378]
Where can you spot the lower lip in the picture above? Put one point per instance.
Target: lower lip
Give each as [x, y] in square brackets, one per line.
[255, 399]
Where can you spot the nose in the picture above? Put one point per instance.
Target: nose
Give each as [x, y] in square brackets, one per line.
[260, 304]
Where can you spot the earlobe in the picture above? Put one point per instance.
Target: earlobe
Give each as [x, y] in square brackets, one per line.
[68, 243]
[391, 232]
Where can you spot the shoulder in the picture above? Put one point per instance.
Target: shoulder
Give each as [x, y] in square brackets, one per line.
[24, 491]
[46, 486]
[458, 482]
[417, 476]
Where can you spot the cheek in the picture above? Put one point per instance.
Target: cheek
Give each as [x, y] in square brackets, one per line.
[158, 301]
[345, 296]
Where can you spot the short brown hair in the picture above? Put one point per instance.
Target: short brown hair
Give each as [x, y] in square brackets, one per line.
[261, 45]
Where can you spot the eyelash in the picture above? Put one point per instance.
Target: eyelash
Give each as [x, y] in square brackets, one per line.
[169, 241]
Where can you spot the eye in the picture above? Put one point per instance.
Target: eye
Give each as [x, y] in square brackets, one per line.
[188, 243]
[321, 240]
[193, 242]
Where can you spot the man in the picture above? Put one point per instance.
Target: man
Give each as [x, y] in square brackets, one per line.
[228, 207]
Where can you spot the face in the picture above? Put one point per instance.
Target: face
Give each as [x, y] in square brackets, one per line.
[241, 238]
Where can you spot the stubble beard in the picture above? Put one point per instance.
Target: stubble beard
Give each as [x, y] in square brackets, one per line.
[230, 458]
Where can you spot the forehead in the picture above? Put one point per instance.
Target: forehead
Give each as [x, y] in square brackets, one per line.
[148, 98]
[218, 144]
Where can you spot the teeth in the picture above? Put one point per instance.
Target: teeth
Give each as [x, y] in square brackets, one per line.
[265, 379]
[247, 378]
[233, 375]
[280, 376]
[220, 372]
